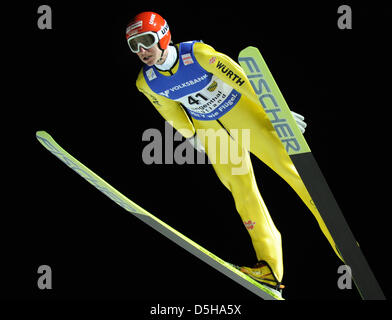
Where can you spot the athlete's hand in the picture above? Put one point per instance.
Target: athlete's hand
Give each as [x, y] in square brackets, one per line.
[300, 121]
[196, 143]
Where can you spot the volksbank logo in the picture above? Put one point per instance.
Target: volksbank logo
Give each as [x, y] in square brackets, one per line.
[167, 92]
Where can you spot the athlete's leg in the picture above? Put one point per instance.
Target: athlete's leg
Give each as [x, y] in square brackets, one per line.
[236, 173]
[265, 144]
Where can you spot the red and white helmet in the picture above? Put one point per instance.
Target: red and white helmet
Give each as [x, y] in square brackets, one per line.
[147, 29]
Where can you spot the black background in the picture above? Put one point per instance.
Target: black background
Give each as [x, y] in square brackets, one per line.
[77, 82]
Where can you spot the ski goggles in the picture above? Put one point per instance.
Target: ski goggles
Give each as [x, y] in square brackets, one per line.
[146, 40]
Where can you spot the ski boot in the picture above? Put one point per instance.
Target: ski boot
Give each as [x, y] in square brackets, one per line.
[262, 273]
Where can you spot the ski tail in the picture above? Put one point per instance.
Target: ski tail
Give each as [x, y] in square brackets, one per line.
[271, 98]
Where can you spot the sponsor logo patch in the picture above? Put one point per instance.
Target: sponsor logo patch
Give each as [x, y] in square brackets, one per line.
[249, 224]
[151, 74]
[187, 59]
[212, 87]
[132, 29]
[212, 60]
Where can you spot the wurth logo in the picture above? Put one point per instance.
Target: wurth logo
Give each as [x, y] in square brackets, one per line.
[249, 224]
[230, 74]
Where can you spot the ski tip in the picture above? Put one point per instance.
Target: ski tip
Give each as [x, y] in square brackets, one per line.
[249, 48]
[43, 136]
[248, 51]
[41, 133]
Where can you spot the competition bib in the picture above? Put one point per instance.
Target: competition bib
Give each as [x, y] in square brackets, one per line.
[205, 96]
[211, 102]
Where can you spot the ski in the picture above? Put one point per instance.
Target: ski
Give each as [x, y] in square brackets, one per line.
[203, 254]
[273, 102]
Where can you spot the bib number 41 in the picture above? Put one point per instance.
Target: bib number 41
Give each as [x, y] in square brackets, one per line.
[192, 100]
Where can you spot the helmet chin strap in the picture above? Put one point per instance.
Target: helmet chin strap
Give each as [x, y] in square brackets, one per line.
[168, 59]
[162, 52]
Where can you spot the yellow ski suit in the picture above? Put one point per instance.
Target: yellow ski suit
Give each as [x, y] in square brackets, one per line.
[246, 116]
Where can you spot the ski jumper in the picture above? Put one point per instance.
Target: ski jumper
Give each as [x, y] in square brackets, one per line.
[217, 95]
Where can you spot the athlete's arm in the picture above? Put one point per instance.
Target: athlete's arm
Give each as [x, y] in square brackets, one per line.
[170, 110]
[224, 68]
